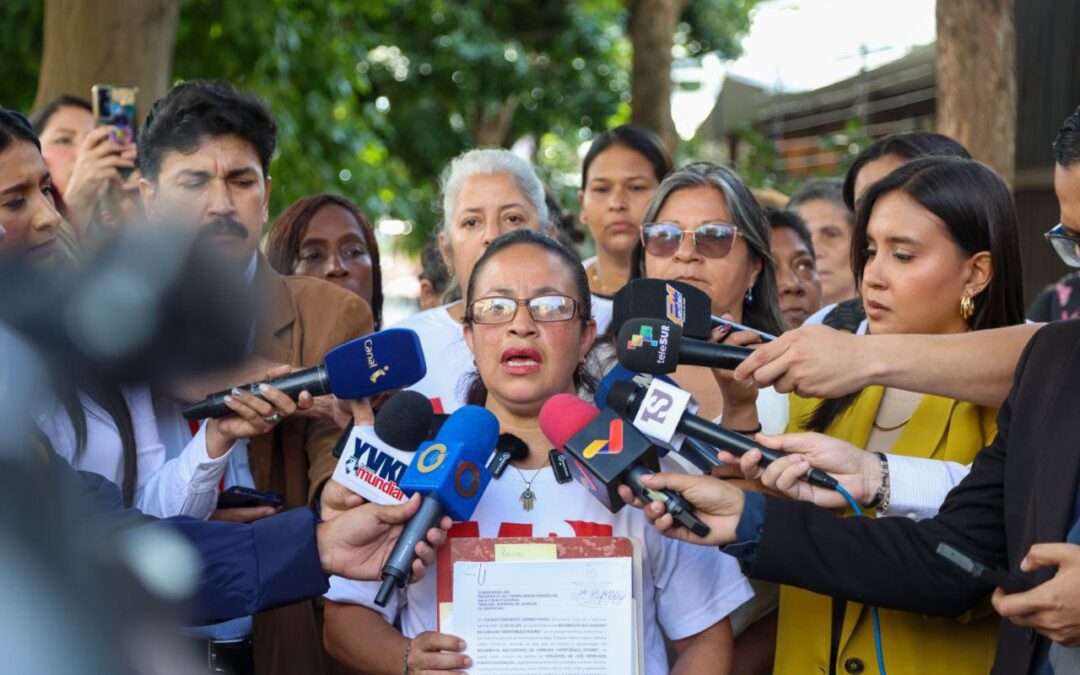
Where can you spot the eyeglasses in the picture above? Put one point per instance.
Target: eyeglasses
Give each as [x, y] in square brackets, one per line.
[712, 240]
[1066, 243]
[542, 309]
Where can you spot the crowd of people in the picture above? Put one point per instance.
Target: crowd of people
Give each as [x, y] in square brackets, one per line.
[903, 365]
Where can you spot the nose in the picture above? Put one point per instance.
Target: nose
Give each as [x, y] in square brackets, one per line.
[788, 282]
[874, 273]
[45, 217]
[523, 323]
[618, 201]
[687, 250]
[220, 199]
[491, 230]
[334, 266]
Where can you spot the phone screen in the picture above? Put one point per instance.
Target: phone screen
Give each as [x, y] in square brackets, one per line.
[115, 106]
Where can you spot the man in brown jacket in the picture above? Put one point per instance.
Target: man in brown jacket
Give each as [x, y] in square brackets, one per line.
[204, 152]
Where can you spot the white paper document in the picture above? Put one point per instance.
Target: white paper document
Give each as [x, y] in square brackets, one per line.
[559, 616]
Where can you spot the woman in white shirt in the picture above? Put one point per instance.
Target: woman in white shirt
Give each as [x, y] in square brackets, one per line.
[525, 355]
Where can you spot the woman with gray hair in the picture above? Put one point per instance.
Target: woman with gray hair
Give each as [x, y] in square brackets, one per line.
[485, 193]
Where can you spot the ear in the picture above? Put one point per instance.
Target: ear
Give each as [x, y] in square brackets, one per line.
[468, 334]
[148, 191]
[266, 201]
[582, 218]
[980, 272]
[588, 336]
[444, 251]
[755, 272]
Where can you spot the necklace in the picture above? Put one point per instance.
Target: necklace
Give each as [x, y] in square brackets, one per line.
[594, 275]
[881, 427]
[527, 495]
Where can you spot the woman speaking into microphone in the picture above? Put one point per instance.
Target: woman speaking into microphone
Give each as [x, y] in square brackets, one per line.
[527, 322]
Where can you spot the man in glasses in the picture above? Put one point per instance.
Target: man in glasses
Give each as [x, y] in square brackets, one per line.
[1018, 509]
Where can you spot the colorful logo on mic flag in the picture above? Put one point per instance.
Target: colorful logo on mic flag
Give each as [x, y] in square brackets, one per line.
[606, 446]
[675, 307]
[641, 338]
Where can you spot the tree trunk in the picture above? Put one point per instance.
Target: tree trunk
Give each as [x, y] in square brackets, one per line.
[976, 79]
[123, 42]
[652, 32]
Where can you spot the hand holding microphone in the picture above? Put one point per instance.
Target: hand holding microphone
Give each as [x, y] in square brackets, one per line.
[605, 452]
[389, 359]
[450, 475]
[716, 503]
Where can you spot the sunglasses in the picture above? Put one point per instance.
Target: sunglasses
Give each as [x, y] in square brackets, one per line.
[542, 309]
[1066, 243]
[712, 240]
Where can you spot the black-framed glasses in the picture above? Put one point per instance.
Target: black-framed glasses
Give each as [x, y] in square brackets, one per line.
[542, 309]
[712, 240]
[1066, 243]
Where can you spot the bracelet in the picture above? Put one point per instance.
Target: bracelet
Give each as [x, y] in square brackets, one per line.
[749, 432]
[405, 659]
[880, 500]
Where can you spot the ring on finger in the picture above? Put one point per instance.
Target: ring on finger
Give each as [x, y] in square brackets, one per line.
[274, 418]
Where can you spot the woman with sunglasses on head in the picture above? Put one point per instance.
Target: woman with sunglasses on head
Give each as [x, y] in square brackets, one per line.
[619, 175]
[527, 324]
[112, 431]
[936, 251]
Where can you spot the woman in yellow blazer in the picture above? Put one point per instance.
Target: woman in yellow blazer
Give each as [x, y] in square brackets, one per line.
[935, 250]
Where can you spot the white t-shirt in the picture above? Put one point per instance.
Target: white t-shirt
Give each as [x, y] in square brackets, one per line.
[447, 356]
[686, 588]
[601, 312]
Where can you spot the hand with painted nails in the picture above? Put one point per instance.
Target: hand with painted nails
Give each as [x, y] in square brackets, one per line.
[740, 398]
[253, 415]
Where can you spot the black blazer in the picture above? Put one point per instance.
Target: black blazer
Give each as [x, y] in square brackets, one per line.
[1020, 491]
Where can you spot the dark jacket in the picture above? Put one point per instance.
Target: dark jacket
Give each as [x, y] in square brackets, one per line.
[1020, 491]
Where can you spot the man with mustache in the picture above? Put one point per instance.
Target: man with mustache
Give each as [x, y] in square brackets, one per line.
[204, 153]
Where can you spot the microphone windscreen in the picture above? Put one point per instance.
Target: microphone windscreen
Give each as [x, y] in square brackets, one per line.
[388, 359]
[618, 398]
[404, 420]
[513, 445]
[649, 345]
[563, 415]
[684, 305]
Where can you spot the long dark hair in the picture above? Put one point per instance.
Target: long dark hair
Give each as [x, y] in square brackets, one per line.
[763, 313]
[283, 241]
[978, 213]
[475, 388]
[40, 119]
[906, 145]
[14, 126]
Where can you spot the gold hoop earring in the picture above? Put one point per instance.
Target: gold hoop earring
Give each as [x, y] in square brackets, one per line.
[967, 307]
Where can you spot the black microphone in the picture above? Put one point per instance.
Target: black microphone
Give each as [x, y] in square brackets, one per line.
[657, 346]
[655, 411]
[688, 307]
[389, 359]
[606, 451]
[508, 448]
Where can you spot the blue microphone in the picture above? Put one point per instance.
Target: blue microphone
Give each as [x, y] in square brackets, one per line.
[389, 359]
[449, 473]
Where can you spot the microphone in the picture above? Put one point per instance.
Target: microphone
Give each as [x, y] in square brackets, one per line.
[658, 413]
[450, 474]
[389, 359]
[658, 346]
[606, 451]
[684, 305]
[381, 454]
[508, 448]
